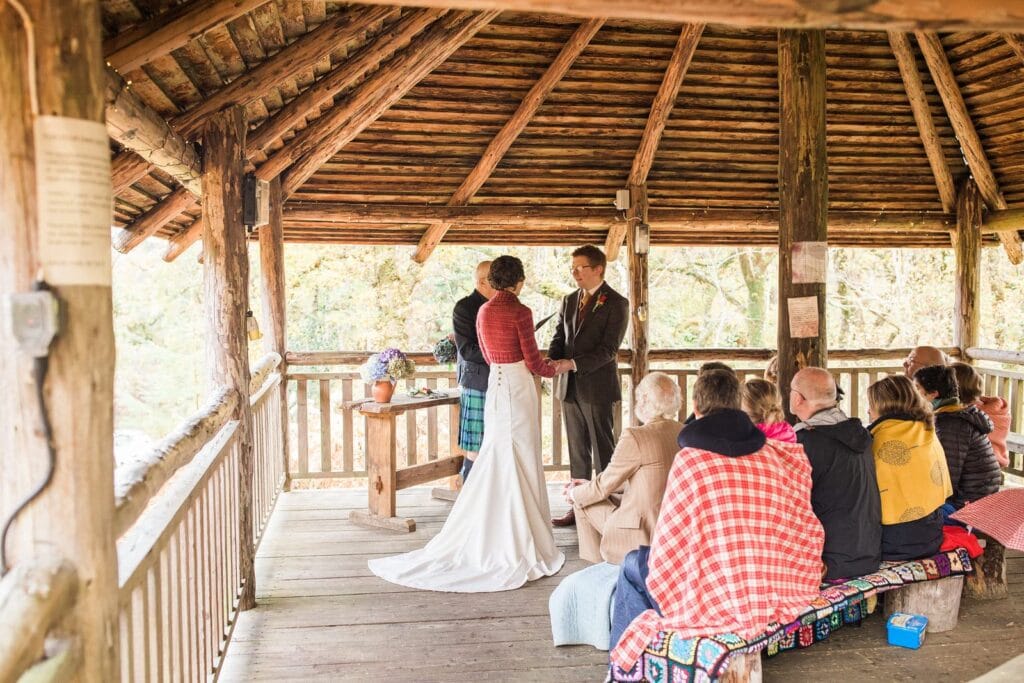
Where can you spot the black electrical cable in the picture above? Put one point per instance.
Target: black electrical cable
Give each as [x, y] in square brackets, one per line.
[39, 370]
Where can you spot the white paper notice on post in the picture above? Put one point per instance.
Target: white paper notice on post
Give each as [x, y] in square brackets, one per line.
[75, 202]
[803, 316]
[810, 262]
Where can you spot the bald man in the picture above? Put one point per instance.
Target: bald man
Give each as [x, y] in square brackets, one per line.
[473, 370]
[844, 491]
[922, 357]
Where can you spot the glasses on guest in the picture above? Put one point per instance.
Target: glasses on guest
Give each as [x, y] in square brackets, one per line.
[577, 269]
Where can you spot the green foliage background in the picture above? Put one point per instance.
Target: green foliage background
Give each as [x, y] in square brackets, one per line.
[366, 298]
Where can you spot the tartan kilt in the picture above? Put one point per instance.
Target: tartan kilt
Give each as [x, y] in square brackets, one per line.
[471, 419]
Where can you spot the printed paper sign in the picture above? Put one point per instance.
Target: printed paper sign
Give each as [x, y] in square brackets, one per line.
[810, 262]
[803, 316]
[75, 202]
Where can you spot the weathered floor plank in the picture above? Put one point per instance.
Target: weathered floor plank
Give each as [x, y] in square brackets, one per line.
[323, 616]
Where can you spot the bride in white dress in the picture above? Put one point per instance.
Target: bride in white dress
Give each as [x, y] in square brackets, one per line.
[498, 535]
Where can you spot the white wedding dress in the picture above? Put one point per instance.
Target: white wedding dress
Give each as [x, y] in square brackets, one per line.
[498, 534]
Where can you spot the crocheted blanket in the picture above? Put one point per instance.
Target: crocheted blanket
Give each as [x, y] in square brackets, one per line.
[669, 658]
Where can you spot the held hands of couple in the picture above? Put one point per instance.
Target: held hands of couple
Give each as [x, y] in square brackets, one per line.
[561, 366]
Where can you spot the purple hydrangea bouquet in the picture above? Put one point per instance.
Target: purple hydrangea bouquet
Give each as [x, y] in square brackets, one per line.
[389, 365]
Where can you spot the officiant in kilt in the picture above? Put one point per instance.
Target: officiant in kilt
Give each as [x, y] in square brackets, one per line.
[472, 370]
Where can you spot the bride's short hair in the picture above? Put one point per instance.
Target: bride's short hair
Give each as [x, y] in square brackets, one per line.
[506, 271]
[658, 395]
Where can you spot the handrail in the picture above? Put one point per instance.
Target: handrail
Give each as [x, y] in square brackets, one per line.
[996, 355]
[301, 358]
[263, 367]
[34, 598]
[136, 483]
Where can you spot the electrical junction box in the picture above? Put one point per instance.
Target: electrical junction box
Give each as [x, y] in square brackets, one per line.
[255, 202]
[622, 200]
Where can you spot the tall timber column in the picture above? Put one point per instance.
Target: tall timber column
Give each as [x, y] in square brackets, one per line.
[226, 299]
[638, 285]
[803, 202]
[55, 220]
[967, 247]
[272, 269]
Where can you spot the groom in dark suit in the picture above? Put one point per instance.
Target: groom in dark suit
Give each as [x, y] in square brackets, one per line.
[591, 325]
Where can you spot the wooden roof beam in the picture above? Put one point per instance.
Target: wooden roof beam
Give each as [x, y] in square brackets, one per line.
[126, 169]
[315, 145]
[179, 243]
[162, 213]
[173, 29]
[504, 138]
[339, 29]
[912, 83]
[368, 57]
[657, 119]
[970, 142]
[137, 127]
[873, 15]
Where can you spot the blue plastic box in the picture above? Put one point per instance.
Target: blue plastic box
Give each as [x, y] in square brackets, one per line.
[906, 630]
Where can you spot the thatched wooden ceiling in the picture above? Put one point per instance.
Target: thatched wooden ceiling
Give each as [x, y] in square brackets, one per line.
[714, 175]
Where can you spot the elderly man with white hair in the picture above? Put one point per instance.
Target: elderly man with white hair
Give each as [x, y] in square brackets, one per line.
[609, 524]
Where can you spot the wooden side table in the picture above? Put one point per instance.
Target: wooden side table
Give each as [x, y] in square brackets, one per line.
[384, 477]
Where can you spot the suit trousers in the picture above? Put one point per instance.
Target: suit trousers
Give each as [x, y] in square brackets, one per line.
[590, 429]
[590, 523]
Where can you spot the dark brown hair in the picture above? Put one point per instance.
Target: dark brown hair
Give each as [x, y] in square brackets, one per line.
[506, 271]
[716, 390]
[595, 257]
[714, 365]
[938, 378]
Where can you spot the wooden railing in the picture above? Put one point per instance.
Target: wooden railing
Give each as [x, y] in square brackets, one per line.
[1009, 385]
[329, 434]
[178, 519]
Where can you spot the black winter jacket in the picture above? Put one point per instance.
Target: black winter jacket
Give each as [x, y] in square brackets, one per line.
[973, 468]
[845, 496]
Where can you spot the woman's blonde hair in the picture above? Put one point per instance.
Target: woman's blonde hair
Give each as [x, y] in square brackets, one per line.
[969, 381]
[896, 395]
[761, 401]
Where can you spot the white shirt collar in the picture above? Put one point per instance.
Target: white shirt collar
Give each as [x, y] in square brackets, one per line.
[592, 291]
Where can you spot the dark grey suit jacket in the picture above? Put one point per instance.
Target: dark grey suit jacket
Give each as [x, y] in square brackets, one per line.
[473, 370]
[593, 345]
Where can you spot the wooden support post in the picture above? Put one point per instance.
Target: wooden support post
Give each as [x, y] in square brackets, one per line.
[74, 516]
[939, 600]
[988, 582]
[226, 284]
[967, 246]
[803, 190]
[274, 318]
[381, 470]
[638, 300]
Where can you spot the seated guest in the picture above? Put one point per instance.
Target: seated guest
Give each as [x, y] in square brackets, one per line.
[921, 357]
[963, 432]
[708, 367]
[910, 467]
[763, 406]
[737, 545]
[609, 528]
[844, 491]
[771, 370]
[968, 381]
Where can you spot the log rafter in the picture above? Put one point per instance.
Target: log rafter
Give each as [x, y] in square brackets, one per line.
[137, 127]
[312, 148]
[504, 138]
[870, 15]
[657, 119]
[174, 28]
[904, 54]
[970, 142]
[302, 54]
[162, 213]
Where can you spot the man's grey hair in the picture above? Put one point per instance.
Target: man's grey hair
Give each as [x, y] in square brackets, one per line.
[658, 395]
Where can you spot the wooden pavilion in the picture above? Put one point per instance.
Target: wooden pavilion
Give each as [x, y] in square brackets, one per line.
[856, 123]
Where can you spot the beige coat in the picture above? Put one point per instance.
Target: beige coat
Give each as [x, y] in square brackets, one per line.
[609, 528]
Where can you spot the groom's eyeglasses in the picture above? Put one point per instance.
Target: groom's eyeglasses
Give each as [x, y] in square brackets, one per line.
[576, 269]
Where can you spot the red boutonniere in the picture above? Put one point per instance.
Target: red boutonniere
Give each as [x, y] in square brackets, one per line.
[600, 302]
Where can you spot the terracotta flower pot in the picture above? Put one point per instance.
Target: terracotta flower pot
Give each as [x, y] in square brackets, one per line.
[383, 390]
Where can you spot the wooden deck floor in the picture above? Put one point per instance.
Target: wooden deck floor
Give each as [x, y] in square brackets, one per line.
[323, 616]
